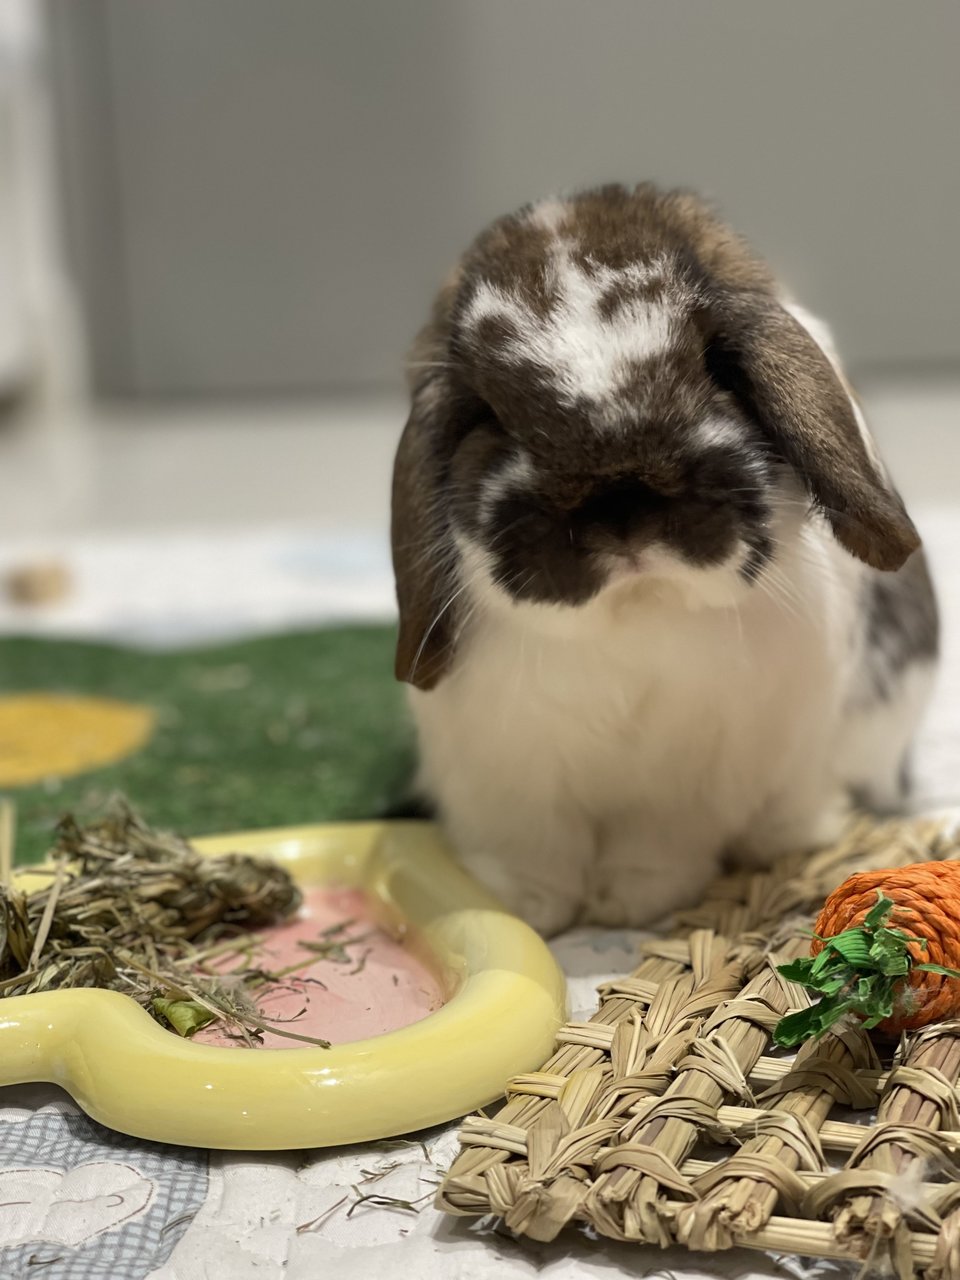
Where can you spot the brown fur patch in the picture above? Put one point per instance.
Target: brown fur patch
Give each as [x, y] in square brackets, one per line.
[902, 623]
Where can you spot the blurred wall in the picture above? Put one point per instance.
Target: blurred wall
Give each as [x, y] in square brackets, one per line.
[262, 194]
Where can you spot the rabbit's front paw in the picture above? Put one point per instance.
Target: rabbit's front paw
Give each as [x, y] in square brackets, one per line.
[543, 906]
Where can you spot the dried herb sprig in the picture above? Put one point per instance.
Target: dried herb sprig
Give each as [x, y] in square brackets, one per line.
[139, 911]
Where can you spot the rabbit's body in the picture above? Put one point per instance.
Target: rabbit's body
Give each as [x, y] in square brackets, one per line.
[643, 646]
[608, 758]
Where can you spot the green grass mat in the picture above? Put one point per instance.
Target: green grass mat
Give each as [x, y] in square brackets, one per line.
[288, 729]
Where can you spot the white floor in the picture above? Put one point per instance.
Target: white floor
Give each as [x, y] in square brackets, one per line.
[324, 465]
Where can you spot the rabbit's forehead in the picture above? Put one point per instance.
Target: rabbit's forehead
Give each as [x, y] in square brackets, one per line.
[582, 344]
[577, 314]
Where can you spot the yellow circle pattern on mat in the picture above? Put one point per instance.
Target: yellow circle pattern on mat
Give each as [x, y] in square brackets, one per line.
[47, 735]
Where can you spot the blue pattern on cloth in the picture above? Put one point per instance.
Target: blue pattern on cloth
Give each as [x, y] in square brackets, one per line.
[130, 1229]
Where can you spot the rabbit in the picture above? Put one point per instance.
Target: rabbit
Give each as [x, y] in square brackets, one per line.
[659, 603]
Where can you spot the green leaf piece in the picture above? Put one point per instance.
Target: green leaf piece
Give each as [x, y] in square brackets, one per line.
[878, 916]
[185, 1016]
[938, 968]
[796, 970]
[853, 945]
[888, 952]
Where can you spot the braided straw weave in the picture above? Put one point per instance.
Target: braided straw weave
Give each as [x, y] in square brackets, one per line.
[670, 1118]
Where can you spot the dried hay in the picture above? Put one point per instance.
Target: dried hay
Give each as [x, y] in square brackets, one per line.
[138, 911]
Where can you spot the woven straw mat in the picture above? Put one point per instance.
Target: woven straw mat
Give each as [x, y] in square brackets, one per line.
[670, 1118]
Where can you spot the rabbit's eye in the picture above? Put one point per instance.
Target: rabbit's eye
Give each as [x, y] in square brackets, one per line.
[493, 423]
[723, 369]
[481, 416]
[520, 519]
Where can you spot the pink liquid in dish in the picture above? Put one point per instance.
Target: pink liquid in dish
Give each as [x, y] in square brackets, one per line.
[372, 985]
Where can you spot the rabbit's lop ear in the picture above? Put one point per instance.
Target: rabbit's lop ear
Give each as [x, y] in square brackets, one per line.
[424, 553]
[760, 353]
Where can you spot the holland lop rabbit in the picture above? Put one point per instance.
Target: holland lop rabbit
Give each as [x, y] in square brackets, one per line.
[659, 601]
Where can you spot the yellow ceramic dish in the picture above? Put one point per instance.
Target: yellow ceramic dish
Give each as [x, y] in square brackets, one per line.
[506, 1002]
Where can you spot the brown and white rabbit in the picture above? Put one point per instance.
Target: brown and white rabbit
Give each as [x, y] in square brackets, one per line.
[658, 599]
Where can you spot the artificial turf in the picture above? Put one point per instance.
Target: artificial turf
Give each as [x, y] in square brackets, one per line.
[308, 727]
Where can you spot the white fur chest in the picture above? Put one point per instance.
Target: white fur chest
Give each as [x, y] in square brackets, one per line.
[636, 701]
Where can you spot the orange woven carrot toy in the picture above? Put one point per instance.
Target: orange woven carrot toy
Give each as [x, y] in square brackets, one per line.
[886, 949]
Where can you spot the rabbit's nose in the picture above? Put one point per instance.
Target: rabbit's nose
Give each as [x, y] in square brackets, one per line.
[623, 507]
